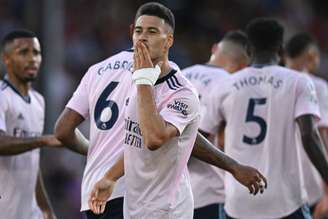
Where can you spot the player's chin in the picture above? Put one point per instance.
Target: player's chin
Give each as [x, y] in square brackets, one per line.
[30, 77]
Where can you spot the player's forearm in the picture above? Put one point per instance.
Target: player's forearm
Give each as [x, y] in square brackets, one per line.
[207, 152]
[324, 136]
[152, 125]
[66, 131]
[117, 170]
[42, 198]
[17, 145]
[74, 141]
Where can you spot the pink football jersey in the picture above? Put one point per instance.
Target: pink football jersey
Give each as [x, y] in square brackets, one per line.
[20, 117]
[260, 107]
[207, 181]
[157, 182]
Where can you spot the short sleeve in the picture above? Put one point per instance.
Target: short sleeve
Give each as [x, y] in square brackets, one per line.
[322, 93]
[306, 98]
[211, 113]
[181, 109]
[3, 111]
[79, 102]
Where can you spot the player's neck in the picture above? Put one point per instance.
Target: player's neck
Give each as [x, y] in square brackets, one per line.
[165, 67]
[264, 58]
[21, 87]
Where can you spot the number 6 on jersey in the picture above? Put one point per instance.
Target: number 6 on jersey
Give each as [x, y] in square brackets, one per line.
[106, 111]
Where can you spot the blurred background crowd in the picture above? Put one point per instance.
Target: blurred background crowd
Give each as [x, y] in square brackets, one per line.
[78, 33]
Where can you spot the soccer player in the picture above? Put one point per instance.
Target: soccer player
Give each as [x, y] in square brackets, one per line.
[102, 96]
[231, 52]
[208, 181]
[22, 194]
[165, 111]
[302, 54]
[268, 111]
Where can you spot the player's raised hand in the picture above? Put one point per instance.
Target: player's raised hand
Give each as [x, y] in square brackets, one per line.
[51, 141]
[100, 193]
[141, 58]
[251, 178]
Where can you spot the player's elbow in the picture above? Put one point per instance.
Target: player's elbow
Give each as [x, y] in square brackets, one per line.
[60, 132]
[154, 141]
[309, 139]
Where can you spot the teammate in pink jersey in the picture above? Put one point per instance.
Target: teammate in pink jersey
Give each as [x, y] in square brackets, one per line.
[22, 194]
[207, 181]
[268, 109]
[153, 31]
[303, 55]
[231, 52]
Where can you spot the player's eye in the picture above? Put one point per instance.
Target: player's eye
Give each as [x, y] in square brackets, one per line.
[23, 52]
[36, 52]
[137, 30]
[152, 31]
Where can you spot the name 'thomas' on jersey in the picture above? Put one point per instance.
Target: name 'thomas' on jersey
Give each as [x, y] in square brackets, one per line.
[207, 181]
[260, 107]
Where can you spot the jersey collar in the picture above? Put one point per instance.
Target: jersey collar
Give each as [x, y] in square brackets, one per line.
[170, 74]
[27, 98]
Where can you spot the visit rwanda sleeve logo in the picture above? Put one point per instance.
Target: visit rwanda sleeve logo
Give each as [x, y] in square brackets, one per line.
[179, 106]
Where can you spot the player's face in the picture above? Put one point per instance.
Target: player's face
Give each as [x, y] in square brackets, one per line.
[155, 34]
[23, 58]
[313, 60]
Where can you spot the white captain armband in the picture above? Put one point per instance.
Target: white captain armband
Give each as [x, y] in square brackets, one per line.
[146, 76]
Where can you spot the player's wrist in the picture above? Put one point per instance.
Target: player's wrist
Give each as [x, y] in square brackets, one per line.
[146, 76]
[234, 168]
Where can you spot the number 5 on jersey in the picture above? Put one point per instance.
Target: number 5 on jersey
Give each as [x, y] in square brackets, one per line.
[251, 117]
[106, 111]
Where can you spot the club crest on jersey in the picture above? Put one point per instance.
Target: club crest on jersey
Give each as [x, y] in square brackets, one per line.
[179, 106]
[20, 117]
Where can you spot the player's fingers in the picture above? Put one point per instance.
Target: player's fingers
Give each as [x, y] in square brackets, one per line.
[256, 188]
[145, 53]
[263, 179]
[250, 188]
[136, 57]
[102, 207]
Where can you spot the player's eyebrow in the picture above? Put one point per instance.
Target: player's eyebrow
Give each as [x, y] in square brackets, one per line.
[148, 28]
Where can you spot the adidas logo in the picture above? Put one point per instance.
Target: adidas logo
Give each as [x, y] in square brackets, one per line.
[173, 83]
[20, 116]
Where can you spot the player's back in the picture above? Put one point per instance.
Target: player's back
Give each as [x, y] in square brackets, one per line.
[260, 106]
[204, 77]
[206, 180]
[101, 96]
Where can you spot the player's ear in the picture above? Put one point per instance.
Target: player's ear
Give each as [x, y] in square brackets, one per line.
[214, 47]
[170, 40]
[5, 58]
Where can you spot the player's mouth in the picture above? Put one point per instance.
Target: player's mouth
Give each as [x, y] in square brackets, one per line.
[31, 69]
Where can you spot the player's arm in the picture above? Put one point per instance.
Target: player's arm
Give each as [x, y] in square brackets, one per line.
[66, 131]
[10, 145]
[155, 130]
[324, 136]
[247, 176]
[103, 189]
[313, 144]
[42, 198]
